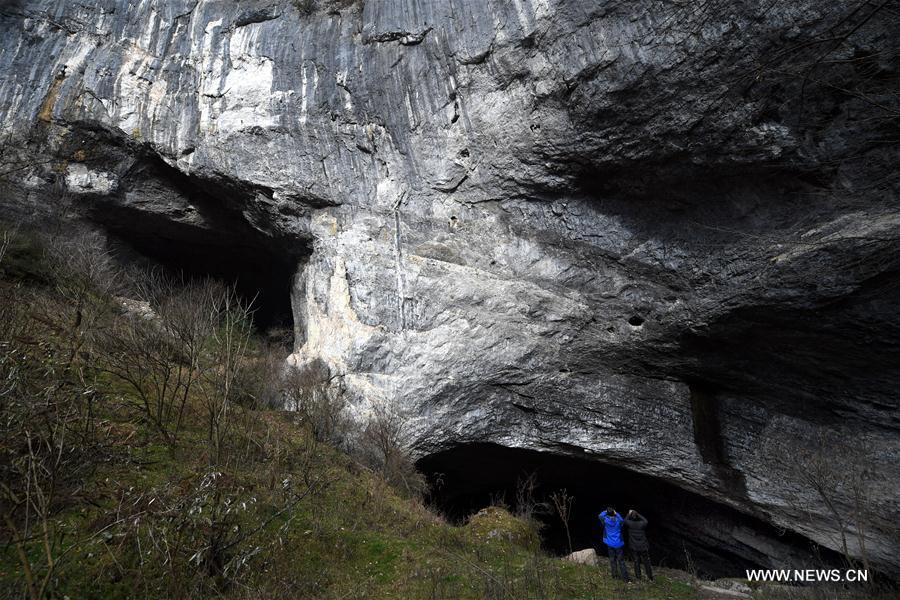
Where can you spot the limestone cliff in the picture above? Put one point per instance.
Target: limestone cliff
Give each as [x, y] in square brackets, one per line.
[653, 234]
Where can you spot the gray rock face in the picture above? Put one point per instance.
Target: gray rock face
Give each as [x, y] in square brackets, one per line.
[657, 235]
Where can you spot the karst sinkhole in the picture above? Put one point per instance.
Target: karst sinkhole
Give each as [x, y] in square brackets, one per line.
[686, 529]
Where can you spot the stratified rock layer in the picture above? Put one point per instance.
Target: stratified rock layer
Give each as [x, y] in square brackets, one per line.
[654, 234]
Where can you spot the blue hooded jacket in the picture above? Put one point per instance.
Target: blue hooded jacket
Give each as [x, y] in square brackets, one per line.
[612, 530]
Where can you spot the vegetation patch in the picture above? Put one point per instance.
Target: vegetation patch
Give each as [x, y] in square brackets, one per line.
[494, 524]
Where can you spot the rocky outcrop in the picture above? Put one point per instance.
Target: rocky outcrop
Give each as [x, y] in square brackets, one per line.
[584, 557]
[657, 235]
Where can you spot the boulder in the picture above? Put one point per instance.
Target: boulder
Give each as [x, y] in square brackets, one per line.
[587, 556]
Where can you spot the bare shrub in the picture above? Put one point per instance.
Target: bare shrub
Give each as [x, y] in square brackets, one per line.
[840, 480]
[527, 504]
[191, 346]
[224, 365]
[79, 259]
[61, 285]
[262, 383]
[142, 354]
[383, 446]
[46, 434]
[562, 504]
[320, 402]
[690, 566]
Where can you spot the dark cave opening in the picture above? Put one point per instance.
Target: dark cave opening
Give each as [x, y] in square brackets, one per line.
[686, 530]
[260, 275]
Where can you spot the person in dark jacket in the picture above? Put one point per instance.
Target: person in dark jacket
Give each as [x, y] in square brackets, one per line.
[636, 527]
[612, 537]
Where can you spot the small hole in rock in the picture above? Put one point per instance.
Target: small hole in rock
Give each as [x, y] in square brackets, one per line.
[636, 321]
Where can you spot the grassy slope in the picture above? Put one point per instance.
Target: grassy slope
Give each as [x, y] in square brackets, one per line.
[354, 538]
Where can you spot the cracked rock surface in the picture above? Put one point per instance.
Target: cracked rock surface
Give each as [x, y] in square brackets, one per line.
[658, 235]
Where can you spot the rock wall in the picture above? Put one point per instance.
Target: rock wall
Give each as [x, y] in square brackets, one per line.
[658, 235]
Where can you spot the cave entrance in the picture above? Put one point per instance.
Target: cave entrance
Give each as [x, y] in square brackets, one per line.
[198, 228]
[684, 526]
[261, 275]
[263, 271]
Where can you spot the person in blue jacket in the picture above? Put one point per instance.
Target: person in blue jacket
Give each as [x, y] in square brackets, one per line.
[612, 537]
